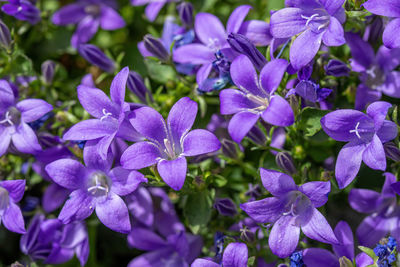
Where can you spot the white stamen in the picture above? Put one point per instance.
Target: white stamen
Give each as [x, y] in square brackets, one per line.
[7, 119]
[106, 114]
[97, 186]
[356, 130]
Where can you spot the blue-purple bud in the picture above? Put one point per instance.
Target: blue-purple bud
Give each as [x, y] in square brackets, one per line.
[229, 148]
[155, 47]
[185, 11]
[225, 207]
[5, 36]
[48, 70]
[243, 45]
[257, 136]
[95, 56]
[392, 151]
[246, 235]
[285, 162]
[337, 68]
[136, 85]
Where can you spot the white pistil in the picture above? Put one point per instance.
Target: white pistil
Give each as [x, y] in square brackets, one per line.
[7, 119]
[356, 130]
[169, 148]
[97, 186]
[106, 114]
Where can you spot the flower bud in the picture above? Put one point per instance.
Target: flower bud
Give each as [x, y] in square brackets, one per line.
[48, 69]
[5, 36]
[392, 151]
[337, 68]
[285, 162]
[185, 11]
[136, 85]
[257, 136]
[225, 207]
[95, 56]
[155, 47]
[229, 148]
[243, 45]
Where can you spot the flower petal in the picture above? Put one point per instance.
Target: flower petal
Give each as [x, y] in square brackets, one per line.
[96, 102]
[279, 112]
[145, 239]
[348, 163]
[194, 54]
[332, 6]
[235, 255]
[209, 28]
[93, 159]
[361, 51]
[204, 263]
[114, 214]
[25, 140]
[199, 142]
[391, 85]
[319, 229]
[5, 139]
[334, 35]
[388, 8]
[277, 183]
[272, 73]
[13, 220]
[110, 19]
[344, 235]
[304, 48]
[378, 111]
[374, 155]
[149, 123]
[284, 236]
[54, 197]
[390, 36]
[181, 118]
[33, 109]
[173, 172]
[319, 257]
[265, 210]
[15, 188]
[153, 9]
[7, 97]
[124, 181]
[364, 200]
[118, 86]
[69, 14]
[233, 101]
[67, 173]
[91, 129]
[244, 76]
[366, 96]
[373, 228]
[240, 124]
[140, 155]
[317, 192]
[257, 31]
[287, 22]
[236, 18]
[85, 31]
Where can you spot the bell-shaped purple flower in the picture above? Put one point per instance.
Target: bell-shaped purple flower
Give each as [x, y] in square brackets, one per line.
[377, 72]
[110, 115]
[383, 210]
[255, 98]
[11, 192]
[364, 133]
[55, 243]
[95, 186]
[169, 142]
[290, 209]
[14, 119]
[316, 21]
[89, 15]
[235, 255]
[22, 10]
[391, 9]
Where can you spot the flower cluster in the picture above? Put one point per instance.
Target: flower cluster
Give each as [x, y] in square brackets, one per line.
[224, 151]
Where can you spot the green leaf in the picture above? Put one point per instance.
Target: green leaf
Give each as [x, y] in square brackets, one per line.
[345, 262]
[310, 120]
[251, 261]
[368, 251]
[197, 210]
[159, 72]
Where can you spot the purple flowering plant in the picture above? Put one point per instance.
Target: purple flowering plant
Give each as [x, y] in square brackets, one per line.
[154, 133]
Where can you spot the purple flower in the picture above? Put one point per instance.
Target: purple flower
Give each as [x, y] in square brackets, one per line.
[235, 255]
[323, 257]
[95, 56]
[377, 73]
[14, 119]
[336, 68]
[11, 192]
[316, 21]
[255, 97]
[383, 210]
[364, 133]
[388, 8]
[89, 15]
[110, 115]
[22, 10]
[290, 209]
[153, 7]
[169, 142]
[95, 186]
[225, 207]
[213, 37]
[55, 243]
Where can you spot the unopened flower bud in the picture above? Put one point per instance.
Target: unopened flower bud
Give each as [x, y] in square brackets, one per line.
[337, 68]
[5, 36]
[155, 47]
[229, 148]
[243, 45]
[95, 56]
[392, 151]
[136, 85]
[257, 136]
[225, 207]
[246, 235]
[285, 162]
[48, 69]
[185, 11]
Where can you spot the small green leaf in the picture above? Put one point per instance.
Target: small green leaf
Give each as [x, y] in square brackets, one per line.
[250, 261]
[345, 262]
[159, 72]
[369, 252]
[310, 120]
[197, 210]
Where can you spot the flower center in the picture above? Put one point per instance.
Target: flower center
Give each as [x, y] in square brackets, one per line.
[4, 199]
[318, 21]
[99, 184]
[296, 203]
[214, 44]
[363, 130]
[258, 100]
[93, 10]
[169, 148]
[374, 77]
[12, 117]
